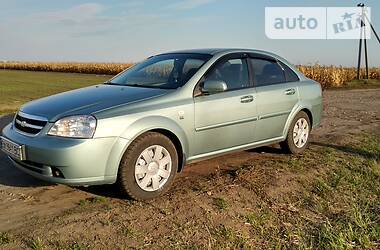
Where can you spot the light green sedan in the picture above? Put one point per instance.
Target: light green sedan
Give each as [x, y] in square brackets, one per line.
[144, 125]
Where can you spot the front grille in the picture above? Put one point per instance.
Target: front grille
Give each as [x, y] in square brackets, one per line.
[29, 124]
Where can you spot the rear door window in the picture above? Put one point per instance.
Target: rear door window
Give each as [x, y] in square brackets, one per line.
[267, 72]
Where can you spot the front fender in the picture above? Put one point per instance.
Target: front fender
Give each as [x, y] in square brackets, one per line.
[146, 124]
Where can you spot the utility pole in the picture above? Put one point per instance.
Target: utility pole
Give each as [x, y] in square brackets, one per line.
[363, 34]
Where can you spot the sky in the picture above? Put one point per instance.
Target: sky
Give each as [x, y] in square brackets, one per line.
[129, 31]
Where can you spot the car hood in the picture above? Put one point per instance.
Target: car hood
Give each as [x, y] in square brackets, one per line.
[88, 100]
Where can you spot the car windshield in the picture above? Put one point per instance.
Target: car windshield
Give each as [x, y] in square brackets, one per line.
[167, 71]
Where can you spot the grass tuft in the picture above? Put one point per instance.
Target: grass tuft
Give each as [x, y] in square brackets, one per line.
[129, 232]
[320, 187]
[76, 246]
[92, 200]
[229, 239]
[4, 238]
[36, 244]
[220, 203]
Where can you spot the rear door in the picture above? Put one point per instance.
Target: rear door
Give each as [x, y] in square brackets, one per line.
[277, 94]
[226, 119]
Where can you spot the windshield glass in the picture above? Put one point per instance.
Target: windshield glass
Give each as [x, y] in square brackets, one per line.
[168, 71]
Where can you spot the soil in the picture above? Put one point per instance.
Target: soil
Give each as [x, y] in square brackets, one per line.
[34, 208]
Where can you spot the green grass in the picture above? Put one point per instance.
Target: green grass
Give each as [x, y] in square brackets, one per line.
[63, 245]
[18, 87]
[361, 84]
[220, 203]
[345, 198]
[258, 219]
[129, 232]
[227, 238]
[76, 246]
[338, 207]
[4, 238]
[36, 244]
[356, 196]
[92, 200]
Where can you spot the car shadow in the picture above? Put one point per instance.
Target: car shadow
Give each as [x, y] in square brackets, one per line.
[9, 174]
[350, 150]
[107, 190]
[273, 149]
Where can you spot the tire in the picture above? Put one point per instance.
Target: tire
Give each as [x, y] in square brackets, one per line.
[143, 174]
[291, 144]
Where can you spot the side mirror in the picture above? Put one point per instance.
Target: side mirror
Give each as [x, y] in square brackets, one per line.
[214, 86]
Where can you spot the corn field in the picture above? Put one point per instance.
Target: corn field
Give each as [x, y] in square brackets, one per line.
[328, 76]
[69, 67]
[335, 76]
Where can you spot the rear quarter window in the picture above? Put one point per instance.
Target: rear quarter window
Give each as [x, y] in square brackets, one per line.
[290, 75]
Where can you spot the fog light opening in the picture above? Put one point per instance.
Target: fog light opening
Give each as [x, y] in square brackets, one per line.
[56, 172]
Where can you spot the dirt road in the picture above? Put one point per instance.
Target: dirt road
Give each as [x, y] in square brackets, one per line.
[26, 202]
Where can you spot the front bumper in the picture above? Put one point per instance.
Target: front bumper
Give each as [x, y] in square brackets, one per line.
[79, 161]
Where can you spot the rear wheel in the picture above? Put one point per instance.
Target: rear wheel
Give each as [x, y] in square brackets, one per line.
[148, 167]
[298, 135]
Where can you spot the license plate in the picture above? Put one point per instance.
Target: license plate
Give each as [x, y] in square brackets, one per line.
[13, 149]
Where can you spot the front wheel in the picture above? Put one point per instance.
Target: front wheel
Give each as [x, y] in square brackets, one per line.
[297, 138]
[148, 167]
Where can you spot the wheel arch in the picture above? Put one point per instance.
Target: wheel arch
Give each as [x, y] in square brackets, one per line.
[177, 143]
[301, 107]
[309, 114]
[164, 126]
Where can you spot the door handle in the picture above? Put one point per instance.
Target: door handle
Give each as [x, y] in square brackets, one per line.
[290, 91]
[246, 99]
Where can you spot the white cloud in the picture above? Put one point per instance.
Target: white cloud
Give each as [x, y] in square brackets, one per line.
[189, 4]
[80, 20]
[92, 19]
[76, 14]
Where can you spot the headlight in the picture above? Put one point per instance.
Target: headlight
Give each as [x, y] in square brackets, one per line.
[80, 126]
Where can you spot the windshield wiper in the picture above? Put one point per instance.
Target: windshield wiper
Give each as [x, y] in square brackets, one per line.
[146, 86]
[136, 85]
[140, 85]
[113, 83]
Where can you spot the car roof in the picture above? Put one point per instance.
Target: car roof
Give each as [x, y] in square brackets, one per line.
[214, 51]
